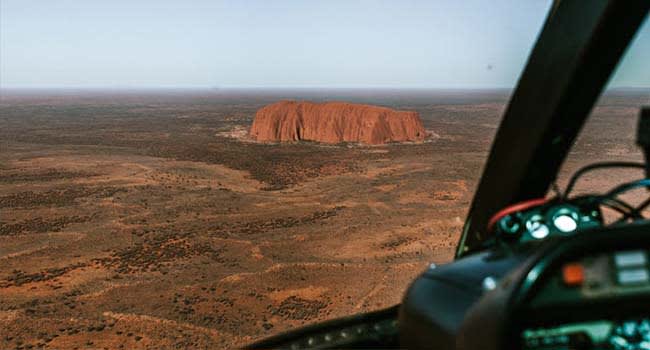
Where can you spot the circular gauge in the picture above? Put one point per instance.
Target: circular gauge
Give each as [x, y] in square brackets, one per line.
[565, 223]
[565, 218]
[537, 228]
[509, 224]
[540, 231]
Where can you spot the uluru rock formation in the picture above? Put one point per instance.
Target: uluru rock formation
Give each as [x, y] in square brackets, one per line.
[334, 122]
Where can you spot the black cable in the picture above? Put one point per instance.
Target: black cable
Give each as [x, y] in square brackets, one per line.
[632, 212]
[594, 166]
[636, 213]
[621, 203]
[617, 205]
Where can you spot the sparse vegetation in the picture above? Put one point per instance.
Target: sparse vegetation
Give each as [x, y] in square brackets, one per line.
[132, 221]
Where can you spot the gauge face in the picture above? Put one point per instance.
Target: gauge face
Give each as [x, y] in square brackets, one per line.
[538, 230]
[565, 223]
[509, 224]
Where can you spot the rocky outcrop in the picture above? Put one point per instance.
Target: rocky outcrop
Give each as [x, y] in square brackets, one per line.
[335, 122]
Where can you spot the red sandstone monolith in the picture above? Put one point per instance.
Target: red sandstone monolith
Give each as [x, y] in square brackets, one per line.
[334, 122]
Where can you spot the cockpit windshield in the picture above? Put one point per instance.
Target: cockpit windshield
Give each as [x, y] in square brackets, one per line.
[202, 174]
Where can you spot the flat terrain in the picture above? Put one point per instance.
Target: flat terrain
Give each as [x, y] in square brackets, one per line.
[146, 220]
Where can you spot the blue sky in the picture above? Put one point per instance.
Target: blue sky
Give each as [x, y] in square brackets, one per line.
[262, 43]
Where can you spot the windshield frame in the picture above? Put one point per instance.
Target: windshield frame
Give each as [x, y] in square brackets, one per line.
[563, 78]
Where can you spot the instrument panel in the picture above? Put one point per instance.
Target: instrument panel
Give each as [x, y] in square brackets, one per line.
[549, 220]
[612, 275]
[606, 276]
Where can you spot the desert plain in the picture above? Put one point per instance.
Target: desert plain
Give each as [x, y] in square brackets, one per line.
[148, 220]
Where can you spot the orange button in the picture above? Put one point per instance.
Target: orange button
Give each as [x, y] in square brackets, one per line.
[573, 275]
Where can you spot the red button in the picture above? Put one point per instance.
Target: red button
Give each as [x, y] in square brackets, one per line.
[573, 274]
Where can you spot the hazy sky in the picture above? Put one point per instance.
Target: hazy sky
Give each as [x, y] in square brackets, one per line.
[264, 43]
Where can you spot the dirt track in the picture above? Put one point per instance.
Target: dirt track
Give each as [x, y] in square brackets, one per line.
[134, 221]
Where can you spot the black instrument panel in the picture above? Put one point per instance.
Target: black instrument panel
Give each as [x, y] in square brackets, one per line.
[594, 282]
[600, 276]
[625, 334]
[563, 290]
[548, 221]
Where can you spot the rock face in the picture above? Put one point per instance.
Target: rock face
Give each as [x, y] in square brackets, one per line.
[335, 122]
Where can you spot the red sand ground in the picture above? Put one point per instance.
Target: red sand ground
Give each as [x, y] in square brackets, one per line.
[130, 221]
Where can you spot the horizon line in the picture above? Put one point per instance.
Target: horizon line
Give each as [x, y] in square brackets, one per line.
[252, 87]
